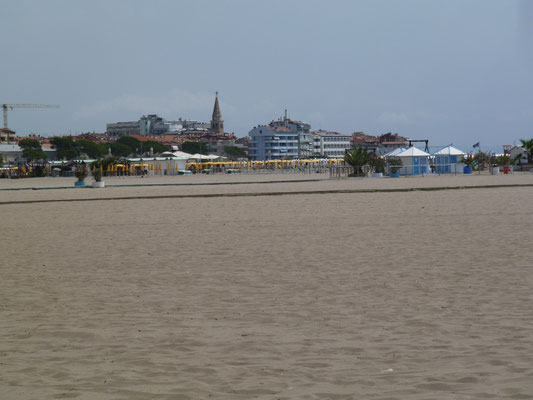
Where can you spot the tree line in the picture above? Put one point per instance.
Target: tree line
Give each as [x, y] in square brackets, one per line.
[69, 149]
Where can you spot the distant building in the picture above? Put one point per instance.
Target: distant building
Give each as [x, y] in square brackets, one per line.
[92, 136]
[381, 144]
[189, 125]
[12, 153]
[518, 155]
[217, 125]
[330, 144]
[217, 147]
[281, 139]
[389, 141]
[7, 136]
[361, 139]
[124, 128]
[152, 124]
[244, 143]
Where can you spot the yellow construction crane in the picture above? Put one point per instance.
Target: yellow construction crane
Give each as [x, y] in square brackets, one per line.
[12, 106]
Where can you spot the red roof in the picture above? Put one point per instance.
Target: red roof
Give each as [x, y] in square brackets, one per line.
[141, 138]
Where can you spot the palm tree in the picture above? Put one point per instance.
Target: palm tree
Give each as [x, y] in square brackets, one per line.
[527, 145]
[358, 157]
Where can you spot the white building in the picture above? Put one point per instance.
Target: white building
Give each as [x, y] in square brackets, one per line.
[519, 154]
[12, 153]
[281, 139]
[152, 124]
[330, 144]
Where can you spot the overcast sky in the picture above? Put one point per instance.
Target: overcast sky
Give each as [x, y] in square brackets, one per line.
[451, 71]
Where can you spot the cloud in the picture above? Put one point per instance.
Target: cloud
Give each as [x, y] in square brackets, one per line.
[178, 103]
[393, 118]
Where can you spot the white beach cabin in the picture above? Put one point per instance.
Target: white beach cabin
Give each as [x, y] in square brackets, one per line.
[414, 161]
[449, 160]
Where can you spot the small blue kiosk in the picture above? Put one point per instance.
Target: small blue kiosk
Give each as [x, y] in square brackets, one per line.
[449, 160]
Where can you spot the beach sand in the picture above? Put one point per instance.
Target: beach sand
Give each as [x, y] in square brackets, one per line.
[398, 295]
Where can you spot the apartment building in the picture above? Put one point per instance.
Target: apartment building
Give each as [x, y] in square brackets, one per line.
[330, 144]
[7, 136]
[281, 139]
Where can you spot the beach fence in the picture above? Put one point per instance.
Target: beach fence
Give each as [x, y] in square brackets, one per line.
[414, 170]
[320, 166]
[417, 169]
[341, 171]
[424, 169]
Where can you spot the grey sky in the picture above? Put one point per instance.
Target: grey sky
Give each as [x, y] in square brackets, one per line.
[452, 70]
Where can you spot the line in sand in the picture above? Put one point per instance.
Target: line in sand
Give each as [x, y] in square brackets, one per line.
[256, 194]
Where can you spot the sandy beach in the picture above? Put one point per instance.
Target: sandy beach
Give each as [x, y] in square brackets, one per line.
[386, 295]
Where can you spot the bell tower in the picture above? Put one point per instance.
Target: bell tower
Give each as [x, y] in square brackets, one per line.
[217, 125]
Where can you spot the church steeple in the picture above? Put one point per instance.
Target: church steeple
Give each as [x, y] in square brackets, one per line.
[217, 125]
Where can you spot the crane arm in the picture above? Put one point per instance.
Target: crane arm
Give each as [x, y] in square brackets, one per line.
[12, 106]
[30, 106]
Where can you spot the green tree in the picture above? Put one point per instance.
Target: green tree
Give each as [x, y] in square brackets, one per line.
[133, 144]
[157, 146]
[195, 147]
[92, 149]
[110, 160]
[378, 163]
[502, 160]
[468, 160]
[358, 157]
[480, 159]
[527, 145]
[1, 160]
[234, 152]
[120, 149]
[395, 163]
[65, 147]
[32, 150]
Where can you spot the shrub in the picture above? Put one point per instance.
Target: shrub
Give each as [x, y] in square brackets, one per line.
[378, 163]
[395, 163]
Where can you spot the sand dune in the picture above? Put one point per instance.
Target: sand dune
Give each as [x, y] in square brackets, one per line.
[410, 295]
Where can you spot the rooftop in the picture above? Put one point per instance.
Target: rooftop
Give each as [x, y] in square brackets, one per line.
[330, 133]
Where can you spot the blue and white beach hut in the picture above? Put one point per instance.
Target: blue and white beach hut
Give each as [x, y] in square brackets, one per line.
[414, 160]
[448, 160]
